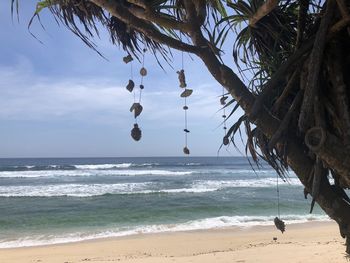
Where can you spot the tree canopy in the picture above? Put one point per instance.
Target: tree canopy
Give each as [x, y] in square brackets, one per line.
[295, 53]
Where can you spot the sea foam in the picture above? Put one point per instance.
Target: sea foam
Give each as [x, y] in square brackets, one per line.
[200, 224]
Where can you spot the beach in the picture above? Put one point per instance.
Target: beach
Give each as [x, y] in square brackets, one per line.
[308, 242]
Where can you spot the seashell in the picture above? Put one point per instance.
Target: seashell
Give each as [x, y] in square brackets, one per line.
[280, 225]
[130, 85]
[186, 150]
[127, 59]
[142, 87]
[182, 78]
[143, 72]
[225, 140]
[185, 130]
[223, 100]
[185, 107]
[186, 93]
[225, 128]
[224, 116]
[137, 108]
[136, 132]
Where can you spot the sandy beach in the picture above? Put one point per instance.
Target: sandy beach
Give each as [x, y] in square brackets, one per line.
[309, 242]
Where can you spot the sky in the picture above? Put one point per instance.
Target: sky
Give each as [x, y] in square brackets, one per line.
[59, 98]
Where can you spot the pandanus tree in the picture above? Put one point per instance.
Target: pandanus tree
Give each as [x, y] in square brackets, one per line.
[295, 53]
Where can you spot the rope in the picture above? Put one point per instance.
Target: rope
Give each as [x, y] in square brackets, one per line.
[278, 196]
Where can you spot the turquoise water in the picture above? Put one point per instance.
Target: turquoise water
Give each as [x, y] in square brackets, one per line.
[45, 201]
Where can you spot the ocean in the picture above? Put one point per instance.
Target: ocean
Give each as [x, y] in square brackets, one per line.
[58, 200]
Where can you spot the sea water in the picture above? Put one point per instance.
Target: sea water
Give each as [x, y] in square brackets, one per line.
[48, 201]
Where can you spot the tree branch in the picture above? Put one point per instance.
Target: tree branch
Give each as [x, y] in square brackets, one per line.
[263, 10]
[149, 15]
[121, 12]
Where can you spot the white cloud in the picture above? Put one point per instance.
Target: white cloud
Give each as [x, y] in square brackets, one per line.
[26, 96]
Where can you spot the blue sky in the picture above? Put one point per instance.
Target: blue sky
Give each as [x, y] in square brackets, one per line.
[60, 99]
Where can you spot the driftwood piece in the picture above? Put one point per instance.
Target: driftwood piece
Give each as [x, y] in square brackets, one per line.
[314, 68]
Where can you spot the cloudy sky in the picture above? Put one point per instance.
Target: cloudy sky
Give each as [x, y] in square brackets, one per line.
[60, 99]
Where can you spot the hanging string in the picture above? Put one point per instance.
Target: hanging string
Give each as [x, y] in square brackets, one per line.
[186, 93]
[278, 195]
[136, 107]
[280, 225]
[224, 111]
[142, 75]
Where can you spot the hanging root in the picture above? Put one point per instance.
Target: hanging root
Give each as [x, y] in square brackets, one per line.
[316, 58]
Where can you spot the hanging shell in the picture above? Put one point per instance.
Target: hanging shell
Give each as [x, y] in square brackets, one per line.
[186, 150]
[127, 59]
[280, 225]
[225, 140]
[187, 131]
[137, 108]
[142, 87]
[186, 93]
[143, 71]
[223, 100]
[185, 107]
[130, 85]
[182, 78]
[136, 132]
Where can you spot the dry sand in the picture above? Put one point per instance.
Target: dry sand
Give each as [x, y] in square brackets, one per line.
[311, 242]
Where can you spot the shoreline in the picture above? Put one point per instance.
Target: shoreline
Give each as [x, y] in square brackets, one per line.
[303, 242]
[157, 229]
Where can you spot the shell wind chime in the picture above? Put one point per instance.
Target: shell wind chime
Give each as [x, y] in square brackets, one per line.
[280, 225]
[136, 107]
[185, 94]
[223, 98]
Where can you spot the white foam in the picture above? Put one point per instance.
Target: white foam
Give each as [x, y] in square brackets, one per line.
[103, 166]
[86, 190]
[263, 182]
[87, 172]
[201, 224]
